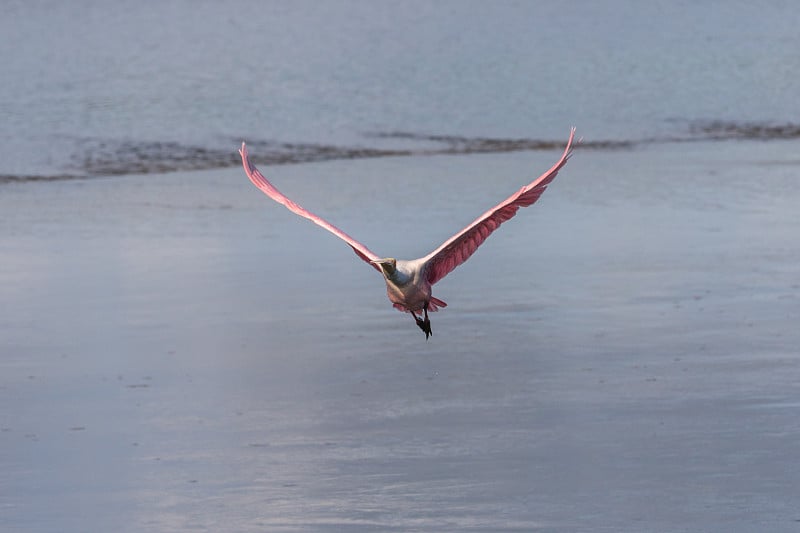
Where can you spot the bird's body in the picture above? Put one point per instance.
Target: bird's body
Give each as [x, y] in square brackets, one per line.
[407, 287]
[408, 283]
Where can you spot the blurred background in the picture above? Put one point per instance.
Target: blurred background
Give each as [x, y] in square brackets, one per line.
[97, 88]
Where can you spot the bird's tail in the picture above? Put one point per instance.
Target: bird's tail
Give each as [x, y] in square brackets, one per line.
[435, 304]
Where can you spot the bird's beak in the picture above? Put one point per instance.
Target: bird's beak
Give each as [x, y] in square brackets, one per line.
[384, 264]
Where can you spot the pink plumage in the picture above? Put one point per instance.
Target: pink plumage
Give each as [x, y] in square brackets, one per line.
[408, 283]
[269, 189]
[462, 245]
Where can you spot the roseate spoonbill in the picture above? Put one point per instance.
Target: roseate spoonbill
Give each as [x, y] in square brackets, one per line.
[408, 283]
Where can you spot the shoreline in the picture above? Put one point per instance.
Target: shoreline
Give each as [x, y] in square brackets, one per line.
[103, 158]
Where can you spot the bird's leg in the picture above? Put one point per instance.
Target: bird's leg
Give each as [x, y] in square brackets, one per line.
[418, 320]
[424, 325]
[427, 322]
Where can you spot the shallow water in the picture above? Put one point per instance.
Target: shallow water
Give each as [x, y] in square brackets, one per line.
[622, 356]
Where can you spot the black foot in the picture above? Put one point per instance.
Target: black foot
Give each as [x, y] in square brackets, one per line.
[424, 324]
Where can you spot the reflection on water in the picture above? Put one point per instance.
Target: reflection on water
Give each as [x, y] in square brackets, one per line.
[609, 356]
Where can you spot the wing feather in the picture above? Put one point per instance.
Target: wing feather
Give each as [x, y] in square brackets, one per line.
[462, 245]
[269, 189]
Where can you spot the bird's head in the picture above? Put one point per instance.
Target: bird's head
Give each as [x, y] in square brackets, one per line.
[388, 265]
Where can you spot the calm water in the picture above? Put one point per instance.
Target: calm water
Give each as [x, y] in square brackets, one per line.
[175, 358]
[623, 356]
[96, 88]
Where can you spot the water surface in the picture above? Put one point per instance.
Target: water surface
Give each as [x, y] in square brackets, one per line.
[97, 88]
[179, 353]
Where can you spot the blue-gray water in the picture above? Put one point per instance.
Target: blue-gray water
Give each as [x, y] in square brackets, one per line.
[97, 88]
[179, 353]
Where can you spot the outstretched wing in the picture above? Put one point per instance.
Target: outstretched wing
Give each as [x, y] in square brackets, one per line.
[267, 188]
[461, 246]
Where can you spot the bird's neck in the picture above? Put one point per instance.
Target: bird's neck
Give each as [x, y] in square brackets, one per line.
[398, 277]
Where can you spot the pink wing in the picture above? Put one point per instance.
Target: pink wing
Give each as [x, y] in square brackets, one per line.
[461, 246]
[267, 188]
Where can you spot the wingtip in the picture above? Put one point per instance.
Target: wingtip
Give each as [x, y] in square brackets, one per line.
[571, 141]
[243, 150]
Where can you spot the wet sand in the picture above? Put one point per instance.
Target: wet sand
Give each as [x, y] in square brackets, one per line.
[179, 353]
[92, 157]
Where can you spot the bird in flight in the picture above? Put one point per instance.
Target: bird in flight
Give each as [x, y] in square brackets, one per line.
[408, 283]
